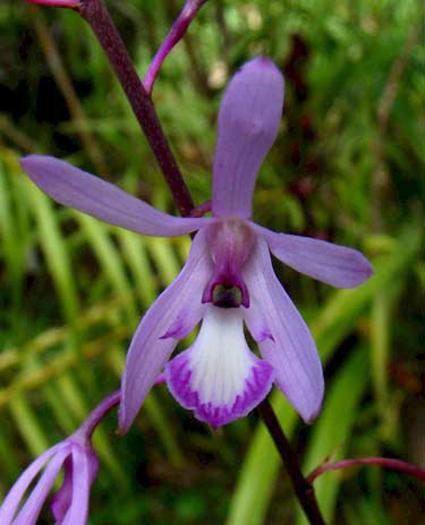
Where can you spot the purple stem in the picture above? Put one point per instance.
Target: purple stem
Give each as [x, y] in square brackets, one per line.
[393, 464]
[72, 4]
[176, 33]
[96, 416]
[201, 210]
[303, 488]
[96, 14]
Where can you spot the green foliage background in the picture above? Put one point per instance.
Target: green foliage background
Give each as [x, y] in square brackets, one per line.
[348, 166]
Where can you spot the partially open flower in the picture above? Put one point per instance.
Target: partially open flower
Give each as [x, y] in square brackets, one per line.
[76, 457]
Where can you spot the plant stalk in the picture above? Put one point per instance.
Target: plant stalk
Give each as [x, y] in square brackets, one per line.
[389, 463]
[302, 487]
[97, 415]
[98, 17]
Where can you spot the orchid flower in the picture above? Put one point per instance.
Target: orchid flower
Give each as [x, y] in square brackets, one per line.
[228, 280]
[76, 457]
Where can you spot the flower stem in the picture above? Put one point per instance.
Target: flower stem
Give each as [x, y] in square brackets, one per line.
[302, 487]
[96, 416]
[393, 464]
[176, 33]
[96, 14]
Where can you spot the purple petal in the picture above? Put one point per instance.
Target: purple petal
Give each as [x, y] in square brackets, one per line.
[330, 263]
[16, 493]
[78, 511]
[248, 123]
[61, 501]
[78, 189]
[172, 316]
[218, 377]
[30, 511]
[284, 339]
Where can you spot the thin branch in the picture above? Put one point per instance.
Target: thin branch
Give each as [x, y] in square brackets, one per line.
[96, 14]
[202, 209]
[302, 487]
[177, 31]
[389, 463]
[97, 415]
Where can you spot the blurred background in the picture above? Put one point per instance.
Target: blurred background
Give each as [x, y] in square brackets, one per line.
[348, 166]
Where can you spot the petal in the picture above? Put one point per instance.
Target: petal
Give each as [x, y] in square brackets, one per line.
[32, 508]
[78, 511]
[330, 263]
[16, 493]
[78, 189]
[218, 376]
[172, 316]
[284, 339]
[248, 123]
[61, 500]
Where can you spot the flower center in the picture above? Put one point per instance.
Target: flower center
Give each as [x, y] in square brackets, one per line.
[226, 296]
[230, 241]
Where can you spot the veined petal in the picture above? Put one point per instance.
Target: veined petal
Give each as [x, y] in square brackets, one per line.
[284, 338]
[78, 511]
[248, 123]
[30, 511]
[78, 189]
[172, 316]
[14, 497]
[218, 376]
[330, 263]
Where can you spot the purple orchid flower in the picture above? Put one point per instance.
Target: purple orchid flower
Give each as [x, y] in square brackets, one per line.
[69, 505]
[228, 279]
[80, 465]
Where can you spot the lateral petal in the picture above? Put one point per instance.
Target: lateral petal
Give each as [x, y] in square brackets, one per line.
[78, 189]
[248, 123]
[172, 316]
[284, 338]
[330, 263]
